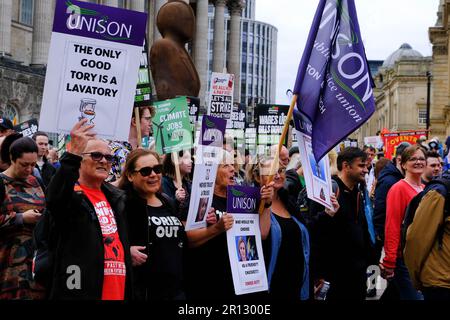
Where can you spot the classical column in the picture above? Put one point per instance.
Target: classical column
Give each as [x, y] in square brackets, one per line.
[233, 59]
[158, 5]
[219, 35]
[5, 26]
[111, 3]
[42, 31]
[138, 5]
[201, 46]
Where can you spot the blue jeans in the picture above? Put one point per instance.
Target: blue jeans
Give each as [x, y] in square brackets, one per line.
[403, 283]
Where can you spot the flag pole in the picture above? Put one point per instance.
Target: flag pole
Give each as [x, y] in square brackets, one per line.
[276, 160]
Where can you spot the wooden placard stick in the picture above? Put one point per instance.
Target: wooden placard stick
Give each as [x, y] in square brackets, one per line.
[137, 118]
[176, 163]
[276, 159]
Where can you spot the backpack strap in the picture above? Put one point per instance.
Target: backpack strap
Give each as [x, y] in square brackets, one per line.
[441, 230]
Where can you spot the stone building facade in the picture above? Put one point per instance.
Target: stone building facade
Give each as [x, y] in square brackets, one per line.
[400, 93]
[25, 32]
[440, 106]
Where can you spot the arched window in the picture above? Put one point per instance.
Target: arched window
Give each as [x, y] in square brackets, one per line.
[11, 113]
[26, 12]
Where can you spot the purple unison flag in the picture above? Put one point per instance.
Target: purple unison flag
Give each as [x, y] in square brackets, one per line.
[241, 199]
[213, 131]
[334, 84]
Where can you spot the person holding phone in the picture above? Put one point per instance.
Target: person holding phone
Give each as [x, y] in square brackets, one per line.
[22, 202]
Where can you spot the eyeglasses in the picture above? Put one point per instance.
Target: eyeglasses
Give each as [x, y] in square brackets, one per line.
[146, 171]
[98, 156]
[280, 171]
[417, 159]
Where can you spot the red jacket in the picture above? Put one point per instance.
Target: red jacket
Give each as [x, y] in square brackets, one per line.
[397, 200]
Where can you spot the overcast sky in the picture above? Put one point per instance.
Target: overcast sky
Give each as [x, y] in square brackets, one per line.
[385, 25]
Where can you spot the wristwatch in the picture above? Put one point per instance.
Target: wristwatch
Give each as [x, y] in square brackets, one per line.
[267, 205]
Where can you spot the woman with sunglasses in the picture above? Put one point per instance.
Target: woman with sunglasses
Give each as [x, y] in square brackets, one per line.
[285, 239]
[157, 236]
[214, 282]
[393, 267]
[22, 202]
[169, 184]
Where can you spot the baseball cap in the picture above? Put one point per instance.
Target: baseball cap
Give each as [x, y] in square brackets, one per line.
[5, 123]
[401, 147]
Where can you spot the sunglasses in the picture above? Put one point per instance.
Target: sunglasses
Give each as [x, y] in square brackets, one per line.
[146, 171]
[98, 156]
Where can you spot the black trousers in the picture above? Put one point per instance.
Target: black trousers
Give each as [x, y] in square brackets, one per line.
[436, 293]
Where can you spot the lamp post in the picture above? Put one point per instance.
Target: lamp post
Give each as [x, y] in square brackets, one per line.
[428, 99]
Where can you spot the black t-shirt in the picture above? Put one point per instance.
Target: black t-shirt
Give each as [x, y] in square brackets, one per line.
[287, 278]
[166, 243]
[209, 269]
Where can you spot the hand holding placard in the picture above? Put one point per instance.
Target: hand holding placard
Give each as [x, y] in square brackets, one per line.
[80, 135]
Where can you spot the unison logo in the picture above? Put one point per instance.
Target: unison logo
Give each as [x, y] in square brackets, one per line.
[344, 38]
[92, 21]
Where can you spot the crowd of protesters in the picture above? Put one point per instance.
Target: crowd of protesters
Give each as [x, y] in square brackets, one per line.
[105, 221]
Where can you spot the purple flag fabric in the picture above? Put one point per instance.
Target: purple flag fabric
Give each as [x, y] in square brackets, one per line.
[334, 84]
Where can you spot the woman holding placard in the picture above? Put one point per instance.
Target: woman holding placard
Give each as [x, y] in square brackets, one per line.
[285, 240]
[209, 268]
[182, 193]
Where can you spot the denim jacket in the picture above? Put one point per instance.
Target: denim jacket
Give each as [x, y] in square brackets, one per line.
[276, 236]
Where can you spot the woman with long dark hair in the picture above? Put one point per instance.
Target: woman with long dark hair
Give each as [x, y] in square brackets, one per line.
[22, 202]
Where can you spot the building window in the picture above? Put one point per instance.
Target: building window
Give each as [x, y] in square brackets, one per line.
[422, 117]
[11, 113]
[26, 12]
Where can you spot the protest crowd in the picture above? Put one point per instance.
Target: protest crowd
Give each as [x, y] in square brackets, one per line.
[208, 221]
[128, 240]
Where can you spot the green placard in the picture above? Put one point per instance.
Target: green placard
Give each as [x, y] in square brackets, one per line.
[171, 126]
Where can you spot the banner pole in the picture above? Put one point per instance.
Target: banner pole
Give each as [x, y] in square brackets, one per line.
[138, 127]
[276, 160]
[177, 170]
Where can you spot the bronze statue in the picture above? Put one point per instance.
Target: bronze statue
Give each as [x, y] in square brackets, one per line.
[173, 71]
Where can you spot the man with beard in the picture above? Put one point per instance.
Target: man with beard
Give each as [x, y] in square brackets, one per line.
[340, 242]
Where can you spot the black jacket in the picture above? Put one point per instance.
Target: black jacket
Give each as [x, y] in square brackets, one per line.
[79, 237]
[137, 218]
[47, 171]
[389, 176]
[340, 246]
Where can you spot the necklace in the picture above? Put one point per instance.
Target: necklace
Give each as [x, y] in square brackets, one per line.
[416, 187]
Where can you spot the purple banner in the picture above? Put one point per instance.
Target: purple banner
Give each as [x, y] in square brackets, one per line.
[302, 123]
[90, 20]
[242, 199]
[213, 131]
[334, 84]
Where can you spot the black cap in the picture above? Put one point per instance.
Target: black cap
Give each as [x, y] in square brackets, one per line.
[401, 147]
[5, 123]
